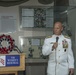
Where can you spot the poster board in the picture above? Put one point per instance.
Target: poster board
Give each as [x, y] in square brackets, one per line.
[14, 69]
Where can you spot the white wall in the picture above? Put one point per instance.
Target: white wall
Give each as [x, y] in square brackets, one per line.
[72, 2]
[15, 11]
[72, 24]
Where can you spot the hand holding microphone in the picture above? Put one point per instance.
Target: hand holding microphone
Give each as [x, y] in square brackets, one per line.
[55, 44]
[71, 71]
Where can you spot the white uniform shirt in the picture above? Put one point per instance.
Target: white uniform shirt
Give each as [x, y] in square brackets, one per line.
[61, 59]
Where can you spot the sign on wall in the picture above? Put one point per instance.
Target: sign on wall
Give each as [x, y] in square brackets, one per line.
[8, 22]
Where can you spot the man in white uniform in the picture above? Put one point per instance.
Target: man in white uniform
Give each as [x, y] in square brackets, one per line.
[58, 47]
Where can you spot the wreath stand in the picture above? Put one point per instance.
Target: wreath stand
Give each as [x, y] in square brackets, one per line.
[14, 70]
[7, 44]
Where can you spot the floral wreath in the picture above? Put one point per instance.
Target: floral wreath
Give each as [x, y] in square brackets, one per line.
[10, 44]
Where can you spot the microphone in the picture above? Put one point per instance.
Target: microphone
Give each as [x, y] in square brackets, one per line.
[53, 47]
[57, 38]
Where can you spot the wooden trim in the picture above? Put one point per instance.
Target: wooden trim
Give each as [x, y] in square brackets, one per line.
[13, 72]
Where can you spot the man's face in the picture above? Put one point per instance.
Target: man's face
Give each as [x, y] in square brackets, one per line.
[58, 28]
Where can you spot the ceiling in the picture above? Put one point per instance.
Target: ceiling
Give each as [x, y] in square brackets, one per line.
[45, 1]
[10, 0]
[7, 3]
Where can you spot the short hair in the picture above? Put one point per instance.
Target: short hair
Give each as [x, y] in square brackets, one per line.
[56, 22]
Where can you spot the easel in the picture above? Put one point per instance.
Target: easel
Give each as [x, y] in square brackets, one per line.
[14, 70]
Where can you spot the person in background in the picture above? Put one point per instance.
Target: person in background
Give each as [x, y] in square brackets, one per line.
[59, 49]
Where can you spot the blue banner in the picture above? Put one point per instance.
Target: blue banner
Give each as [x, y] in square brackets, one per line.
[12, 60]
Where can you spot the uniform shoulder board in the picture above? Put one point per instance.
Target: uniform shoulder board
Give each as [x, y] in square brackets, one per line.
[67, 37]
[48, 36]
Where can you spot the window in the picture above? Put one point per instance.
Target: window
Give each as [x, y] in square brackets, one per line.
[36, 17]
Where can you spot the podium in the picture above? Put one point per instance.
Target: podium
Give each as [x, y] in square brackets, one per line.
[14, 69]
